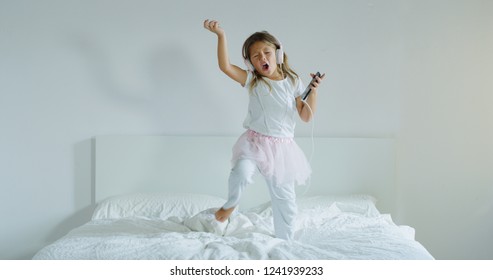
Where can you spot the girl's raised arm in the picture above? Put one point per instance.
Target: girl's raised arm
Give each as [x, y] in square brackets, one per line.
[233, 71]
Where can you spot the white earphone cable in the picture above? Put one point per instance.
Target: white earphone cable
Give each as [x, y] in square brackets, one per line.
[312, 142]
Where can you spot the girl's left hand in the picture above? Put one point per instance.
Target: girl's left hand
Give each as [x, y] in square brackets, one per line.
[318, 80]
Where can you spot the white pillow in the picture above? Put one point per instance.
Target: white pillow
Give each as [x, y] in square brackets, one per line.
[155, 206]
[325, 201]
[359, 204]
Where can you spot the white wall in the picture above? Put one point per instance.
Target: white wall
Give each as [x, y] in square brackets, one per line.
[446, 127]
[417, 70]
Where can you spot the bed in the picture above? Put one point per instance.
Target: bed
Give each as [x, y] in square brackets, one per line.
[155, 198]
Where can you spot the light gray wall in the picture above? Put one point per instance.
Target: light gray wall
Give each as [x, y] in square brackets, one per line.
[416, 70]
[446, 127]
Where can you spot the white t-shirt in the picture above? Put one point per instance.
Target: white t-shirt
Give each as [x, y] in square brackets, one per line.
[272, 111]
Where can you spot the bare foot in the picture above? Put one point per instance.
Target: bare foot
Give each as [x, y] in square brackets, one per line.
[223, 214]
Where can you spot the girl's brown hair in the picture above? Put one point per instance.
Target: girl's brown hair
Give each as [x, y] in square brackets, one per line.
[268, 38]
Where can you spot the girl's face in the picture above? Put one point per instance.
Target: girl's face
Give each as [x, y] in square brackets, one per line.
[263, 59]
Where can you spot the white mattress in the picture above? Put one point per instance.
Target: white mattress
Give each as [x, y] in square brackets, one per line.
[338, 230]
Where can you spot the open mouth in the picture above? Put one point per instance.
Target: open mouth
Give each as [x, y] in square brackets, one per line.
[265, 66]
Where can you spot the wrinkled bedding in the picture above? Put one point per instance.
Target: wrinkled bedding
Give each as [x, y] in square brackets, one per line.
[339, 231]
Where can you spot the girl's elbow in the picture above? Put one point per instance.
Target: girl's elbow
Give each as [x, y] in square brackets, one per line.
[226, 70]
[306, 118]
[223, 68]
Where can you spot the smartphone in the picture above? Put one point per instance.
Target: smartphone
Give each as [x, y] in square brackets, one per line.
[308, 89]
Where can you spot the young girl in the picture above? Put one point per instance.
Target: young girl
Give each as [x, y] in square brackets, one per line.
[268, 144]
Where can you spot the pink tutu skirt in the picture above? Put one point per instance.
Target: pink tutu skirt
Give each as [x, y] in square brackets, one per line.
[277, 158]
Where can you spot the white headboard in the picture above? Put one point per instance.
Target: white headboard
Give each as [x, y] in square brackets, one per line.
[201, 164]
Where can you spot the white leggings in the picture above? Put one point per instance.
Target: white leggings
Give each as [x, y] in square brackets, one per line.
[283, 197]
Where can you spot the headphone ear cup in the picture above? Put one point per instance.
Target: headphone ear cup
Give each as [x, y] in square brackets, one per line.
[249, 65]
[279, 55]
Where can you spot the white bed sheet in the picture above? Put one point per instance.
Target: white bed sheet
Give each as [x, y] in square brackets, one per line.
[341, 231]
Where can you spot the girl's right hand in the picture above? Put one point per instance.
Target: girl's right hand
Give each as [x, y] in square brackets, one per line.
[213, 26]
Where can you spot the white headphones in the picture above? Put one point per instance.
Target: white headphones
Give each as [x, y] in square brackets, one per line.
[279, 55]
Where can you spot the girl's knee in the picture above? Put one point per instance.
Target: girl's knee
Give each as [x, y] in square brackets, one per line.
[242, 172]
[283, 193]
